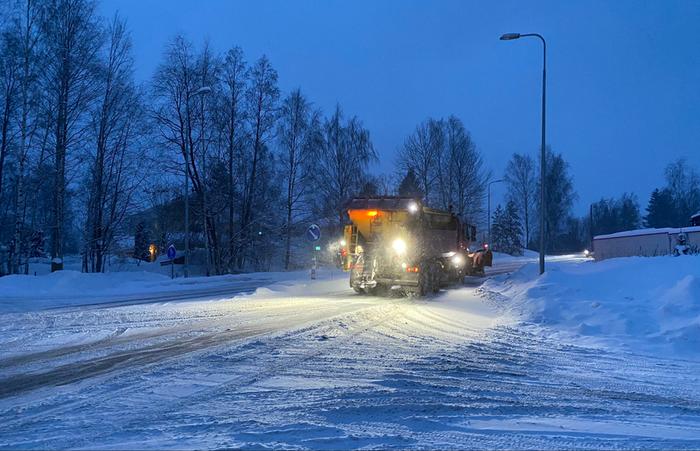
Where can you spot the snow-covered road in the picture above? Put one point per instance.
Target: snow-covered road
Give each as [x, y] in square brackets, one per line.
[311, 365]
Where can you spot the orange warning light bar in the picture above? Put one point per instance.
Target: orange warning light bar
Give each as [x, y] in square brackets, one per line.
[372, 213]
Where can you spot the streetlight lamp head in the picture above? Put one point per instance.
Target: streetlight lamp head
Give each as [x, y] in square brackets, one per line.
[509, 36]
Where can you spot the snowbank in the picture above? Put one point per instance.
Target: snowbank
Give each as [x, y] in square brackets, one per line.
[71, 288]
[75, 283]
[646, 304]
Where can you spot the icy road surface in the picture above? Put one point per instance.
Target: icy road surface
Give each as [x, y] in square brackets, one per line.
[312, 365]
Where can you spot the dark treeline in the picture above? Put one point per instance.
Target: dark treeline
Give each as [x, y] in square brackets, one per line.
[90, 158]
[669, 206]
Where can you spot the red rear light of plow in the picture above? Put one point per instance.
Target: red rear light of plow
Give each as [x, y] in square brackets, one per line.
[411, 269]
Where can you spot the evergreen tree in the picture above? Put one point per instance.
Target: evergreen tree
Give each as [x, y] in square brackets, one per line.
[615, 215]
[409, 185]
[369, 189]
[141, 240]
[497, 237]
[506, 230]
[560, 196]
[514, 229]
[660, 211]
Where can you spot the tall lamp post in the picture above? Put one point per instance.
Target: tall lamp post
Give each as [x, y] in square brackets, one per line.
[200, 91]
[510, 37]
[489, 206]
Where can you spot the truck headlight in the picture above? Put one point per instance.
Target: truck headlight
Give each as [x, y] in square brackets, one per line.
[399, 246]
[458, 260]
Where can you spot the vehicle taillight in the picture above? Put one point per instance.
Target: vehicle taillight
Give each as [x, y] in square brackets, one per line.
[411, 269]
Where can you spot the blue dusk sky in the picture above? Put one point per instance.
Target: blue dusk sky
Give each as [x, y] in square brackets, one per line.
[623, 76]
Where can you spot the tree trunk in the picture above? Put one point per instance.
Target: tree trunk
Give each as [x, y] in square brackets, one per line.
[288, 244]
[231, 241]
[248, 204]
[3, 136]
[59, 182]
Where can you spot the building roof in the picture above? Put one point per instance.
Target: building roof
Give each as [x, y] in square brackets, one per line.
[638, 232]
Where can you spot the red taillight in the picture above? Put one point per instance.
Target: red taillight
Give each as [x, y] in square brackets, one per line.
[344, 252]
[411, 269]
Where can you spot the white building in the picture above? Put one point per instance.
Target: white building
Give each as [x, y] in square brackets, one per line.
[643, 242]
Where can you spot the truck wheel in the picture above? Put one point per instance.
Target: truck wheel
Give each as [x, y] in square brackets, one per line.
[357, 289]
[435, 284]
[423, 282]
[433, 277]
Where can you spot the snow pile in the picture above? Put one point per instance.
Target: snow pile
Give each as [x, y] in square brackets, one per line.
[75, 283]
[645, 304]
[72, 288]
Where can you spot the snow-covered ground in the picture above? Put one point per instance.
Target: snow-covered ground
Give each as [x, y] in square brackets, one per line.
[644, 304]
[73, 288]
[309, 364]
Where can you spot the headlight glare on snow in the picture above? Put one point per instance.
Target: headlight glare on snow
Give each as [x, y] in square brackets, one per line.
[399, 246]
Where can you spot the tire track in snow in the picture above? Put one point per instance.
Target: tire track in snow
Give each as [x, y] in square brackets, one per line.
[219, 320]
[150, 356]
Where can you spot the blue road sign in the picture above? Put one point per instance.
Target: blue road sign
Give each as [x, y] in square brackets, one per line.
[313, 233]
[171, 252]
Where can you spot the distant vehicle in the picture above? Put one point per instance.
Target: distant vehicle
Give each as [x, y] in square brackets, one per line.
[398, 243]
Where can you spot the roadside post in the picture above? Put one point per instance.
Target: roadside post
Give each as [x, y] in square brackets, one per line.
[172, 253]
[313, 234]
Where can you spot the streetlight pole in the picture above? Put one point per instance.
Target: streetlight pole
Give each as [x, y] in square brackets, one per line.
[543, 206]
[489, 206]
[203, 183]
[202, 90]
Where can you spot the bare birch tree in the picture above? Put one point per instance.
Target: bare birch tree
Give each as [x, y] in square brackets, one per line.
[521, 185]
[261, 101]
[116, 124]
[421, 154]
[298, 136]
[26, 28]
[344, 155]
[234, 79]
[72, 38]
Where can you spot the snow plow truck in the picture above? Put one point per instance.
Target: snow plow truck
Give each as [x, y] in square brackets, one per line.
[397, 243]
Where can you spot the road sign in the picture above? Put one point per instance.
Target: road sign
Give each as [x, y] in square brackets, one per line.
[313, 233]
[172, 253]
